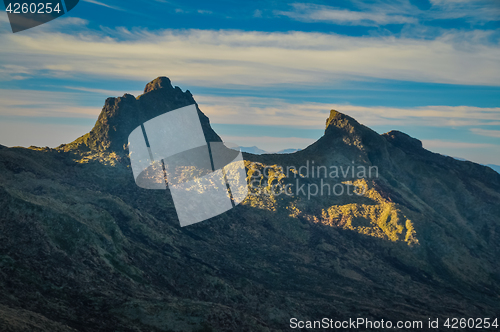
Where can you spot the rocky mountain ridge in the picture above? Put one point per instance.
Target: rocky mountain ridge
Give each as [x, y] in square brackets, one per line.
[82, 248]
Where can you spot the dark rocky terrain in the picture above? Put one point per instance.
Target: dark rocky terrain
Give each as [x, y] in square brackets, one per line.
[82, 248]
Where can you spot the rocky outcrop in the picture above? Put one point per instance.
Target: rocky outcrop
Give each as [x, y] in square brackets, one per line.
[120, 116]
[403, 141]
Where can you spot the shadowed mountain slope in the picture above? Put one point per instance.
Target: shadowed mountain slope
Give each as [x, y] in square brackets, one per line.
[82, 248]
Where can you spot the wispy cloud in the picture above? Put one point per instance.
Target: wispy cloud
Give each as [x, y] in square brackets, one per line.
[104, 92]
[202, 11]
[13, 72]
[257, 13]
[486, 132]
[257, 111]
[321, 13]
[472, 10]
[436, 144]
[277, 112]
[34, 103]
[208, 57]
[380, 13]
[483, 153]
[103, 4]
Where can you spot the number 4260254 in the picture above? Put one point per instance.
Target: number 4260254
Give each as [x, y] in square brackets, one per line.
[32, 8]
[471, 323]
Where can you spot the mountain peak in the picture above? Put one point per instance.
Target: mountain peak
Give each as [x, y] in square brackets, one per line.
[339, 125]
[158, 83]
[344, 136]
[121, 115]
[340, 120]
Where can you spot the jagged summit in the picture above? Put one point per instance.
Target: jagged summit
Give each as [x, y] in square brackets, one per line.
[347, 128]
[121, 115]
[344, 136]
[339, 124]
[158, 83]
[338, 119]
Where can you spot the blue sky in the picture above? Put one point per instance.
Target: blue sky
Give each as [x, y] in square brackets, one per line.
[265, 72]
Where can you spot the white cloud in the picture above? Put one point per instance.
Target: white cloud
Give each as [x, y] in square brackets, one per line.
[13, 72]
[262, 111]
[231, 58]
[320, 13]
[486, 132]
[277, 112]
[103, 4]
[35, 103]
[104, 92]
[483, 153]
[253, 110]
[472, 10]
[380, 13]
[440, 144]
